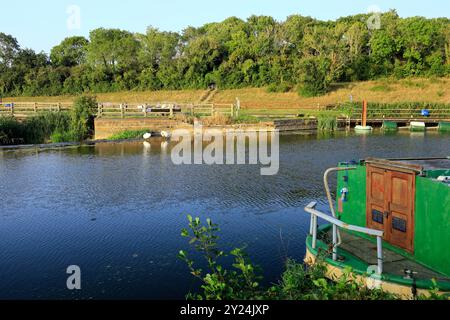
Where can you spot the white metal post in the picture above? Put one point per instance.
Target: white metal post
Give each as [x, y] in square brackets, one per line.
[314, 240]
[380, 254]
[335, 242]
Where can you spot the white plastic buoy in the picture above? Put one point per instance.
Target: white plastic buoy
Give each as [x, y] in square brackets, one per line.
[147, 136]
[418, 126]
[363, 128]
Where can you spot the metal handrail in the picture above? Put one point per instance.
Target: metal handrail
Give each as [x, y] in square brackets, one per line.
[328, 192]
[315, 214]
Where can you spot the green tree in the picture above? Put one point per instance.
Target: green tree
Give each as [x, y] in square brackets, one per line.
[70, 52]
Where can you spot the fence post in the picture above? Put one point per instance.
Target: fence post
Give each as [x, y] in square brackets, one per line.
[213, 110]
[122, 111]
[171, 111]
[59, 107]
[12, 109]
[35, 107]
[100, 110]
[232, 110]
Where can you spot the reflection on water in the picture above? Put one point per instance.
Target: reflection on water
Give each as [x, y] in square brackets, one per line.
[116, 210]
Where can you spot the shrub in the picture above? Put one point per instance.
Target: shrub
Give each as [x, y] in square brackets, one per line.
[59, 136]
[243, 280]
[315, 80]
[279, 87]
[82, 117]
[11, 131]
[40, 128]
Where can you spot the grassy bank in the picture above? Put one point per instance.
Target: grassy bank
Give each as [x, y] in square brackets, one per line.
[383, 91]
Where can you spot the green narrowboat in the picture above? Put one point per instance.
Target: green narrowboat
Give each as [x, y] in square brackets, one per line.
[390, 226]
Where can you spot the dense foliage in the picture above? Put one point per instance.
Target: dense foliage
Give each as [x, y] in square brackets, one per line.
[234, 53]
[243, 280]
[78, 125]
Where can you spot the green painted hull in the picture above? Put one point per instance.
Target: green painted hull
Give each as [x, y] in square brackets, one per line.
[432, 215]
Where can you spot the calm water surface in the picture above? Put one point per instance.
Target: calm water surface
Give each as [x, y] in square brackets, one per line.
[116, 210]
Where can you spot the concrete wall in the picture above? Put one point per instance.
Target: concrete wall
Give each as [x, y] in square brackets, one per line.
[105, 128]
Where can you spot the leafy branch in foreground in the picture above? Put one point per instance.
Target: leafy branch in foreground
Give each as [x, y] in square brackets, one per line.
[243, 280]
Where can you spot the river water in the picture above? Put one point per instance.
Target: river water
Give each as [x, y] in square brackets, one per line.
[116, 211]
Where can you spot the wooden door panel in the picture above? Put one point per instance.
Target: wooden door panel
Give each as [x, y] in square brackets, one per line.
[377, 186]
[376, 219]
[376, 195]
[400, 185]
[390, 205]
[400, 229]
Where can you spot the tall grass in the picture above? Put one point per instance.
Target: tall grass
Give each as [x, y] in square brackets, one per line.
[326, 122]
[55, 127]
[130, 134]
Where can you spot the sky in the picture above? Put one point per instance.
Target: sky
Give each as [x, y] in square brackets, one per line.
[42, 24]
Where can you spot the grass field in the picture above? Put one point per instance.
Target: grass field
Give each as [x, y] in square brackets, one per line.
[385, 90]
[182, 96]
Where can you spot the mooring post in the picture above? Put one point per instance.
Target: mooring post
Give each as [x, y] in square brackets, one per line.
[364, 114]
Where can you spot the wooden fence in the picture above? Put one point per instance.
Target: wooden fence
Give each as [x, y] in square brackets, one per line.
[26, 109]
[22, 110]
[136, 110]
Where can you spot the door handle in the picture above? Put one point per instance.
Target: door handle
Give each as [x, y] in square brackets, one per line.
[386, 214]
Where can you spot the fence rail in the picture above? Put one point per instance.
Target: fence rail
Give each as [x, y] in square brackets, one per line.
[121, 110]
[169, 109]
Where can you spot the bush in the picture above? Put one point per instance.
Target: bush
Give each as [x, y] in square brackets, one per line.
[59, 136]
[56, 127]
[11, 131]
[315, 80]
[279, 87]
[243, 280]
[82, 117]
[40, 128]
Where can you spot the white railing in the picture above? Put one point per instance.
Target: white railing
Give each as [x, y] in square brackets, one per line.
[311, 209]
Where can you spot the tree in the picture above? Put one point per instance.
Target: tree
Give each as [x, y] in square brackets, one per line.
[70, 52]
[114, 53]
[9, 47]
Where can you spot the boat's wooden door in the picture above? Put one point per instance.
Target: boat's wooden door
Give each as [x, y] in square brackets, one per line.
[376, 198]
[401, 190]
[390, 205]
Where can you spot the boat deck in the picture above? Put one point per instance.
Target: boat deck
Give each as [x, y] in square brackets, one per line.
[394, 263]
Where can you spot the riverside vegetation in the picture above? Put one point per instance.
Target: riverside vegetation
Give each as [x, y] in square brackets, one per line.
[242, 281]
[74, 126]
